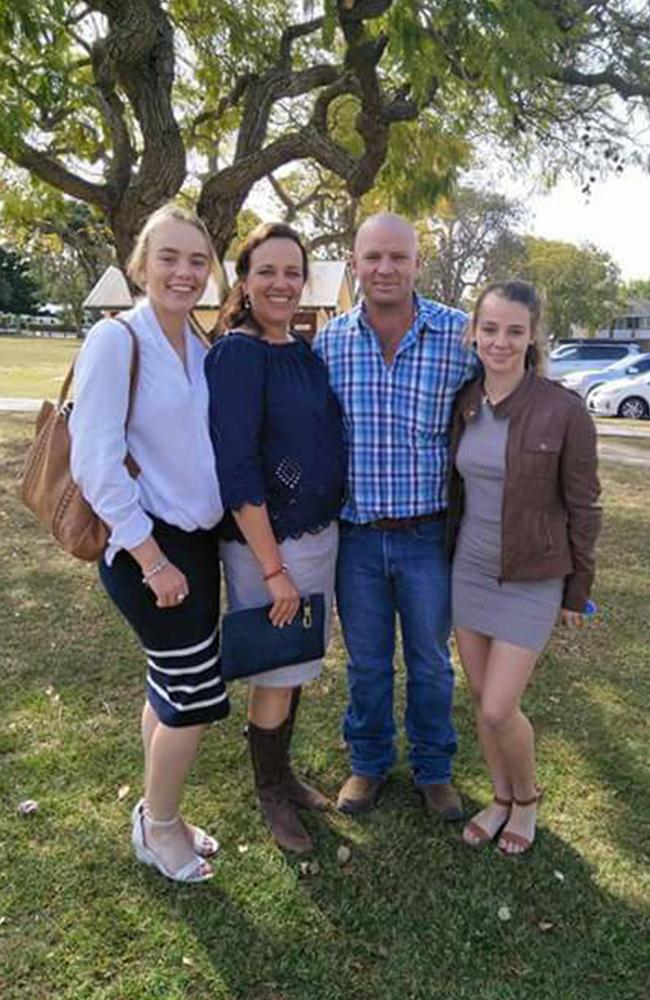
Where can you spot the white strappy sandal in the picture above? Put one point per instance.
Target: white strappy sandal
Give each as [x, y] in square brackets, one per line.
[196, 870]
[204, 845]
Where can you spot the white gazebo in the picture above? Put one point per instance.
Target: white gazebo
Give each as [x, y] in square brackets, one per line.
[111, 295]
[330, 290]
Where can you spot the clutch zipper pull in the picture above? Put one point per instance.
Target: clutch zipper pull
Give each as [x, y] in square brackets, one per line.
[306, 614]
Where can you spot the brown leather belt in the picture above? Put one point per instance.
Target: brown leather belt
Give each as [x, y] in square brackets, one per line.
[405, 523]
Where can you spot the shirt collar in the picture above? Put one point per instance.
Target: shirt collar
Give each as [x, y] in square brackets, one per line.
[361, 323]
[508, 407]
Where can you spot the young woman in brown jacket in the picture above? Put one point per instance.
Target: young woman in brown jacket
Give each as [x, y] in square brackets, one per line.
[523, 520]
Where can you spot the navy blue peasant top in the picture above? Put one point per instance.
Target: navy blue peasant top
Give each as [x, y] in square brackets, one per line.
[277, 433]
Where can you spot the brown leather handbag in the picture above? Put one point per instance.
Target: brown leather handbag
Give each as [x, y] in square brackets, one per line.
[47, 486]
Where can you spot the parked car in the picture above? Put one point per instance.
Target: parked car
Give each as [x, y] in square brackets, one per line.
[626, 397]
[588, 356]
[585, 383]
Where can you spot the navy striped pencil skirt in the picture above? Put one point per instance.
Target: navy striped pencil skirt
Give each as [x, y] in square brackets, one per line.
[181, 644]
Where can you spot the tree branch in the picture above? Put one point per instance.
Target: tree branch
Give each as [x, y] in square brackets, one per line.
[47, 169]
[605, 78]
[295, 31]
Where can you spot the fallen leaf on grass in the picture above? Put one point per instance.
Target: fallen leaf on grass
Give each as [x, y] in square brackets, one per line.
[343, 854]
[559, 875]
[503, 913]
[242, 848]
[187, 961]
[545, 925]
[307, 868]
[27, 807]
[122, 792]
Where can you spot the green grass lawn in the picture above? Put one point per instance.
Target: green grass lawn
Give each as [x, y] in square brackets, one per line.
[34, 366]
[413, 915]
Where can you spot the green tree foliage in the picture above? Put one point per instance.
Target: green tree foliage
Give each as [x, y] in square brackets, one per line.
[461, 242]
[66, 240]
[19, 292]
[637, 290]
[580, 284]
[123, 105]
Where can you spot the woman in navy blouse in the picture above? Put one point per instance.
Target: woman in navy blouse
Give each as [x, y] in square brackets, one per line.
[276, 431]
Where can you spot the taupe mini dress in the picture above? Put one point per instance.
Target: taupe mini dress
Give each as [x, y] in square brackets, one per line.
[521, 613]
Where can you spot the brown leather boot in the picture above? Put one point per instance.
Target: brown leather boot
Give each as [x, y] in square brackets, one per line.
[359, 793]
[299, 792]
[268, 749]
[442, 800]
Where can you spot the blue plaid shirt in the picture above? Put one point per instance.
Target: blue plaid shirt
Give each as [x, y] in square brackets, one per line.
[397, 417]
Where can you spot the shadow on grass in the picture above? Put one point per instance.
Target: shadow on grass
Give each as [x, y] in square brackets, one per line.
[413, 915]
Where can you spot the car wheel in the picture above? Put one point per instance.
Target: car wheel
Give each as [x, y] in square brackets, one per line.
[634, 408]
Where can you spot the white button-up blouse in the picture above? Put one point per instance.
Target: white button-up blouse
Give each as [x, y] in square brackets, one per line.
[167, 435]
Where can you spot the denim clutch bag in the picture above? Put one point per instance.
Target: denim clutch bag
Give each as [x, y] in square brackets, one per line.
[250, 644]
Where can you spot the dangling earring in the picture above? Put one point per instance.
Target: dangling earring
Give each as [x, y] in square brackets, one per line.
[246, 303]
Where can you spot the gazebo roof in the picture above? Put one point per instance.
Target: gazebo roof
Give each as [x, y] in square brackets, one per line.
[112, 292]
[321, 291]
[324, 286]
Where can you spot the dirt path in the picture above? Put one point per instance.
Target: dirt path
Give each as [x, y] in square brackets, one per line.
[610, 450]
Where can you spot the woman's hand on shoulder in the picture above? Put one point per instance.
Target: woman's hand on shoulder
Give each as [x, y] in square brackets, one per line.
[572, 619]
[285, 597]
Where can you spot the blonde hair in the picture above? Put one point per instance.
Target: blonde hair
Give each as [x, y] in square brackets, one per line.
[525, 294]
[171, 211]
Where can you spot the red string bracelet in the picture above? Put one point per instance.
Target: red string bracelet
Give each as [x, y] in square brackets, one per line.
[275, 572]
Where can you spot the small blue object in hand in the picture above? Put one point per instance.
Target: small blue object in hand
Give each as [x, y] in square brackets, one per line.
[590, 609]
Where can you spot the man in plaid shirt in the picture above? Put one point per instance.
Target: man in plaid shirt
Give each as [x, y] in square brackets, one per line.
[396, 363]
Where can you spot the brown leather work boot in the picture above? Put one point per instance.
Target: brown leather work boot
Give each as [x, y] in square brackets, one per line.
[443, 801]
[269, 749]
[359, 793]
[299, 792]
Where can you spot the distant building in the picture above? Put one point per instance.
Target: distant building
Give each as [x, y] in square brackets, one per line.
[631, 325]
[330, 290]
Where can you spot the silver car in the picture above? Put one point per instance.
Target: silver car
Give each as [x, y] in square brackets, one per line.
[584, 383]
[583, 356]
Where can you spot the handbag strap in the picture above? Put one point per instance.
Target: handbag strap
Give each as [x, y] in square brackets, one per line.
[133, 373]
[135, 366]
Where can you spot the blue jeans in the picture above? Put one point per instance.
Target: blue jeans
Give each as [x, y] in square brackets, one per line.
[380, 573]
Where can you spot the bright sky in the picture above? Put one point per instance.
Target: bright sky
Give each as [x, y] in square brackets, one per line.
[615, 217]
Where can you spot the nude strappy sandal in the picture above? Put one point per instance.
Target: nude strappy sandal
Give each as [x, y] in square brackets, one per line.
[481, 835]
[516, 839]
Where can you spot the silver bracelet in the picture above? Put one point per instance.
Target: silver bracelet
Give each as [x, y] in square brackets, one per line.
[156, 568]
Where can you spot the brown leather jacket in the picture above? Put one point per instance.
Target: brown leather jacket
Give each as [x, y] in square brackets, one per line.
[550, 516]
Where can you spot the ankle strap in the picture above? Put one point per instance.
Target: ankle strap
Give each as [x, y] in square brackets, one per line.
[501, 802]
[162, 824]
[529, 802]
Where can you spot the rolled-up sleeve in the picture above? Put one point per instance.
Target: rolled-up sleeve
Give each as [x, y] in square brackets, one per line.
[581, 489]
[235, 370]
[98, 433]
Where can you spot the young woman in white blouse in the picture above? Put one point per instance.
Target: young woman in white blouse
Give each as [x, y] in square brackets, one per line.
[161, 565]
